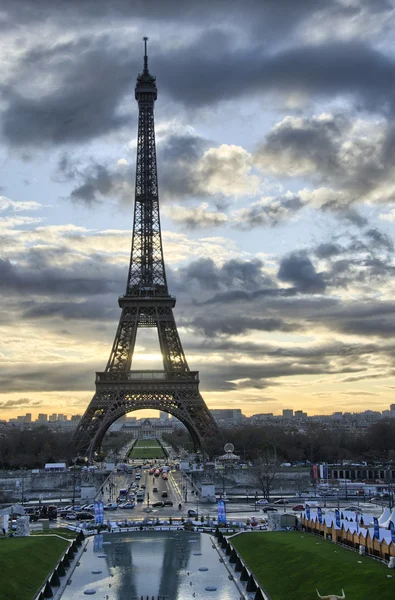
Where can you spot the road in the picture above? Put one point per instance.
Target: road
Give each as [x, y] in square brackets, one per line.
[179, 488]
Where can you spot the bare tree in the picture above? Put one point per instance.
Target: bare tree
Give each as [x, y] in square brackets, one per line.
[265, 470]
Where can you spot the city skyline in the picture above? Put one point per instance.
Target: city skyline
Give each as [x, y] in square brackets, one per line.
[275, 134]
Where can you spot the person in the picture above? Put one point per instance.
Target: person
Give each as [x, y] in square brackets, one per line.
[180, 506]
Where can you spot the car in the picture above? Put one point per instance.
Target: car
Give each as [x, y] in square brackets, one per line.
[164, 494]
[298, 507]
[192, 513]
[158, 504]
[88, 507]
[70, 516]
[269, 509]
[143, 486]
[353, 508]
[281, 501]
[155, 489]
[84, 516]
[168, 503]
[262, 501]
[111, 506]
[128, 505]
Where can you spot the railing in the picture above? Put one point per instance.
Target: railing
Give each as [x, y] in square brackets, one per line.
[151, 376]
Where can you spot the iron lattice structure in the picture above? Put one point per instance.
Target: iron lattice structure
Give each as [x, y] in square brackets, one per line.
[146, 303]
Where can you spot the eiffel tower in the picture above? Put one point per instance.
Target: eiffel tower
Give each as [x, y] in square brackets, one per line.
[146, 303]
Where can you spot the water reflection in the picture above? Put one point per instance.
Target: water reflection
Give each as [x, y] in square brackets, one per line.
[162, 564]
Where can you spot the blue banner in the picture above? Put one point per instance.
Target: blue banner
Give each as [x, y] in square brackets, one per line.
[98, 542]
[221, 511]
[325, 471]
[307, 512]
[376, 530]
[319, 513]
[392, 528]
[337, 516]
[99, 512]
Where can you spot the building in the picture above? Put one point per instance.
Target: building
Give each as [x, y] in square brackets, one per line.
[42, 418]
[228, 416]
[52, 418]
[288, 413]
[299, 414]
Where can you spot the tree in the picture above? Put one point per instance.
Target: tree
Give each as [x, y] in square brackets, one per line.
[265, 470]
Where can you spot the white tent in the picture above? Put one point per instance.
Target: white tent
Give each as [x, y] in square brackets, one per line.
[385, 516]
[391, 517]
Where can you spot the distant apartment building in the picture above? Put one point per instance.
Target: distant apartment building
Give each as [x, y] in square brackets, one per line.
[300, 414]
[230, 416]
[288, 413]
[52, 418]
[42, 418]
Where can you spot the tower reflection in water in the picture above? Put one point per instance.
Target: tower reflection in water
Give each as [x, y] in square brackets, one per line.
[153, 564]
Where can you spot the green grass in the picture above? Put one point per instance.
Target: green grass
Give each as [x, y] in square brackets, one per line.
[63, 531]
[25, 563]
[146, 449]
[291, 565]
[140, 453]
[147, 444]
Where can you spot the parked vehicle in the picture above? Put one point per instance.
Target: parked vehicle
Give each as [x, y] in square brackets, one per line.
[70, 516]
[158, 504]
[269, 509]
[168, 503]
[84, 516]
[111, 506]
[128, 505]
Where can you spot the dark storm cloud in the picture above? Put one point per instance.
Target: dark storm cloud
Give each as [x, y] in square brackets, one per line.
[270, 18]
[46, 377]
[45, 280]
[298, 269]
[90, 78]
[178, 176]
[236, 325]
[271, 212]
[327, 250]
[91, 311]
[380, 239]
[235, 274]
[93, 76]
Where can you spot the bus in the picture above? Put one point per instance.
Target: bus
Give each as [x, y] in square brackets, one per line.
[140, 496]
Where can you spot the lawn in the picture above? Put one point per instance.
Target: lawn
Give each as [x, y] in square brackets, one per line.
[291, 565]
[146, 449]
[147, 444]
[25, 563]
[62, 531]
[139, 453]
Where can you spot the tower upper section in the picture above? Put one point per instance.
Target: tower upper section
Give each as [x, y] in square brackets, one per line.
[147, 275]
[146, 90]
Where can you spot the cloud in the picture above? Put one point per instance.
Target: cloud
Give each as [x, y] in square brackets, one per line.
[268, 211]
[17, 206]
[298, 269]
[21, 403]
[196, 217]
[87, 88]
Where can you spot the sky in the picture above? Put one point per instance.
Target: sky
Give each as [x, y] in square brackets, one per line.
[275, 130]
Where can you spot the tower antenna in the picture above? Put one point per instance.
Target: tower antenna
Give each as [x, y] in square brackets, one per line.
[145, 56]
